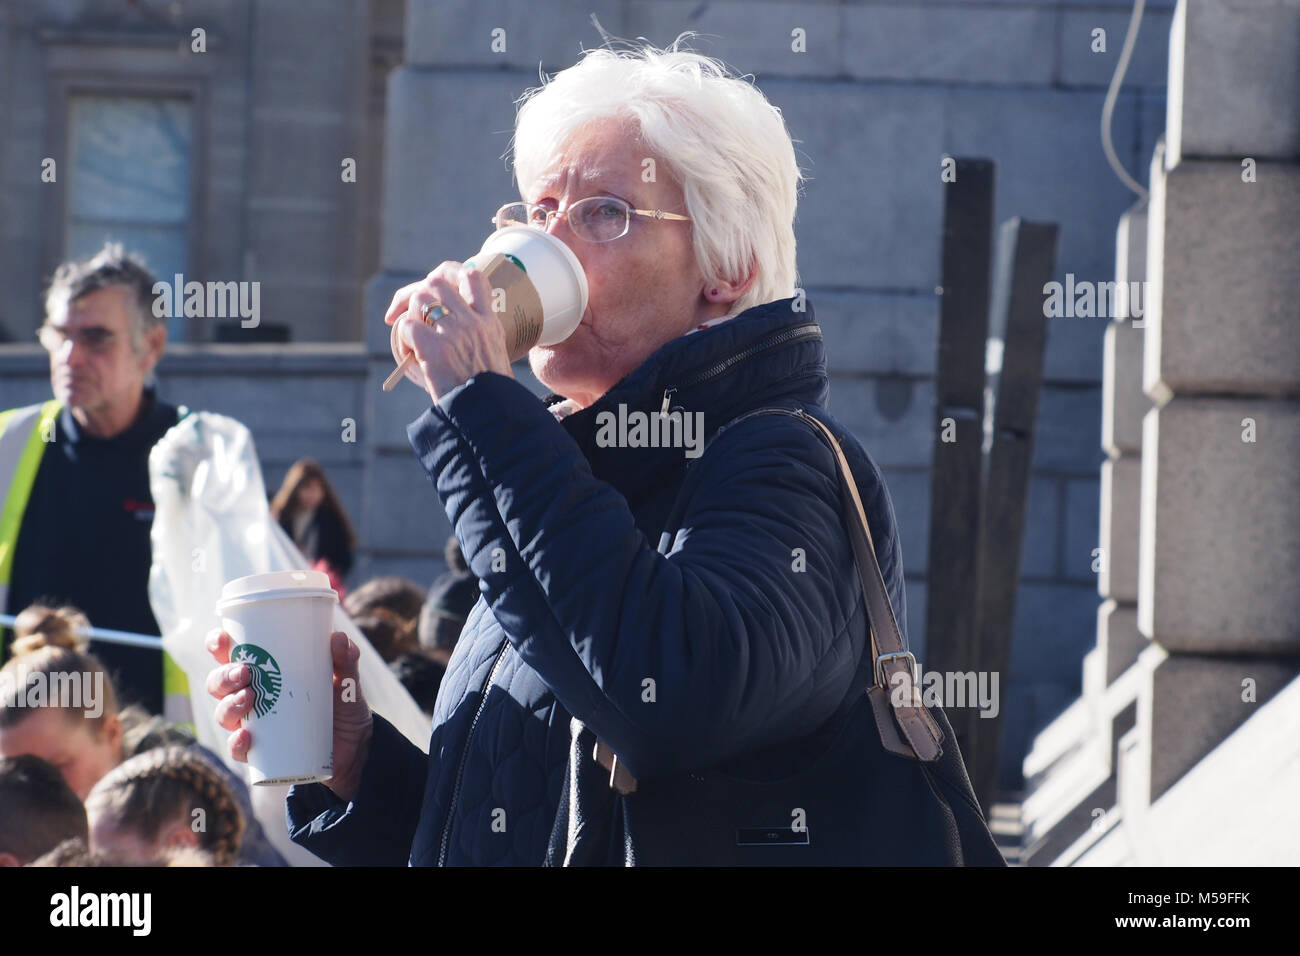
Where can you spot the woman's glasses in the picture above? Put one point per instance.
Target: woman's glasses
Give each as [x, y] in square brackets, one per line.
[594, 219]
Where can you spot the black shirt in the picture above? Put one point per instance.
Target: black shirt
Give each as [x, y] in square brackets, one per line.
[323, 537]
[84, 541]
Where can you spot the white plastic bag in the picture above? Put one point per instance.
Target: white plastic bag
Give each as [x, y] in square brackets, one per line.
[212, 524]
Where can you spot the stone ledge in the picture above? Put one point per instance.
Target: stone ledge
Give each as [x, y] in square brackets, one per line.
[337, 358]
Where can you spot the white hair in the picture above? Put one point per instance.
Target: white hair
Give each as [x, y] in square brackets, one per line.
[722, 140]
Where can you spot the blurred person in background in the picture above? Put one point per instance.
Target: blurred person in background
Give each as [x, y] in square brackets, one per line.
[74, 476]
[447, 606]
[421, 675]
[309, 511]
[84, 744]
[162, 799]
[76, 853]
[387, 611]
[38, 810]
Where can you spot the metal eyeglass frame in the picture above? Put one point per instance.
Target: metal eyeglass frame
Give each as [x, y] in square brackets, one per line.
[657, 214]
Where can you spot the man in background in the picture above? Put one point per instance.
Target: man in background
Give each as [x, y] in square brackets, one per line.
[74, 476]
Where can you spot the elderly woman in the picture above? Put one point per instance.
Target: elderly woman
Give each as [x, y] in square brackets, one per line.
[686, 612]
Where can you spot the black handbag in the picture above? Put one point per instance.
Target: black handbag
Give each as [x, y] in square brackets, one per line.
[875, 786]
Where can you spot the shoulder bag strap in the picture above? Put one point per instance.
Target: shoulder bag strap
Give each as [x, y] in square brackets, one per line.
[905, 726]
[895, 695]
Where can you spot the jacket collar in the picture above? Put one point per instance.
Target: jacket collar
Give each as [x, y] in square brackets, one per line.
[769, 353]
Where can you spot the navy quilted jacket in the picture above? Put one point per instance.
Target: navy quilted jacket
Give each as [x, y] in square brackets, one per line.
[681, 646]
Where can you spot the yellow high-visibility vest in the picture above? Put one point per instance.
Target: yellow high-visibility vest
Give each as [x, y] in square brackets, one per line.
[24, 434]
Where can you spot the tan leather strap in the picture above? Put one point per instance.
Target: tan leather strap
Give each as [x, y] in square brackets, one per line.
[892, 666]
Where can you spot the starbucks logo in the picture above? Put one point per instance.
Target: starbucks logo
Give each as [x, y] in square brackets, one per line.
[266, 675]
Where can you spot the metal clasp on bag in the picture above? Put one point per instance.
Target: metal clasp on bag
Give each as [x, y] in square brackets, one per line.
[619, 778]
[880, 667]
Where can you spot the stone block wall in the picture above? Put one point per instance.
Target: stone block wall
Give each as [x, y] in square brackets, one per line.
[1202, 434]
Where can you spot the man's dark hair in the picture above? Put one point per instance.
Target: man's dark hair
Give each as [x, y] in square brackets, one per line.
[111, 266]
[38, 811]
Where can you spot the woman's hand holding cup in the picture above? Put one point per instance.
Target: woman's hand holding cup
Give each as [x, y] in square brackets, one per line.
[466, 340]
[353, 723]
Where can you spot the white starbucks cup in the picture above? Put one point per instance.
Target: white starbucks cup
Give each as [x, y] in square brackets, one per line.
[539, 291]
[280, 623]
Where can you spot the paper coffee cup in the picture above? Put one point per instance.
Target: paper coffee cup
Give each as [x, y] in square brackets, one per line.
[539, 291]
[280, 623]
[514, 300]
[554, 272]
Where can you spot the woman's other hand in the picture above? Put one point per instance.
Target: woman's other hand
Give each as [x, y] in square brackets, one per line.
[467, 339]
[353, 723]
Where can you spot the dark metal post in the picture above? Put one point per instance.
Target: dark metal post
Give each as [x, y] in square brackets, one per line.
[1018, 330]
[959, 412]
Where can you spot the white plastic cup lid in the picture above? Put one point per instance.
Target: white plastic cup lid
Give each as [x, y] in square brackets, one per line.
[258, 585]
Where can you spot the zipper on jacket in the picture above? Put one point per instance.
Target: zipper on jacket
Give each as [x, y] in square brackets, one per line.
[807, 331]
[464, 754]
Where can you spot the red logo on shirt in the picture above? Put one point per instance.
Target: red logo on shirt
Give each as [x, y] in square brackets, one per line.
[141, 510]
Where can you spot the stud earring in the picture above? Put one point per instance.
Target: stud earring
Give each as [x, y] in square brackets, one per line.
[715, 292]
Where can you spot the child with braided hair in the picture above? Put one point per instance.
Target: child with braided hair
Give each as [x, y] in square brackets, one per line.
[84, 742]
[75, 853]
[164, 798]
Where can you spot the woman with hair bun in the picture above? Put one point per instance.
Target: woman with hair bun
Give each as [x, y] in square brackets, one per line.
[83, 743]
